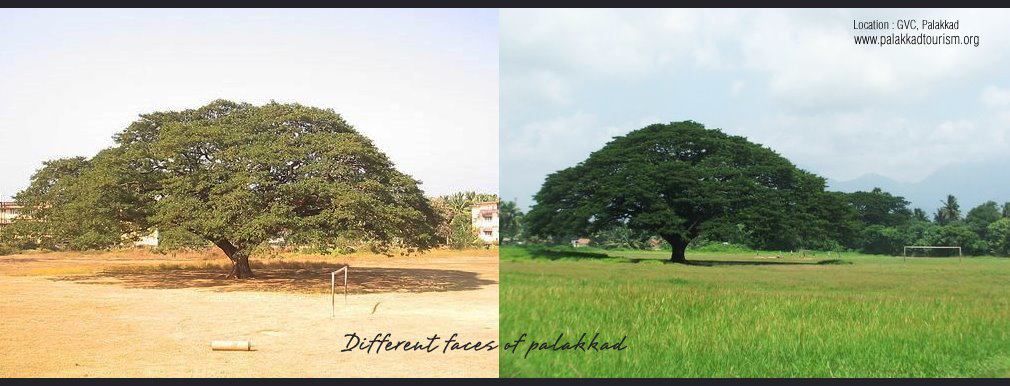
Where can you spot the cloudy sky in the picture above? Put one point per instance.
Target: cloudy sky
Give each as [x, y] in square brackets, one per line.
[789, 79]
[423, 84]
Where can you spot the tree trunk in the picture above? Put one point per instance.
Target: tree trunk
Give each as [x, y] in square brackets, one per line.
[679, 246]
[241, 267]
[239, 259]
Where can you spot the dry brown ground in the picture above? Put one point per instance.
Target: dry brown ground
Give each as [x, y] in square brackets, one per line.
[138, 314]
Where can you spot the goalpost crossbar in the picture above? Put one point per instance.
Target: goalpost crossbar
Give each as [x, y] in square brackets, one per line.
[904, 251]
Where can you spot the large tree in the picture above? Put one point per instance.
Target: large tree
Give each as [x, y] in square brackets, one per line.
[239, 175]
[979, 217]
[878, 207]
[999, 237]
[673, 180]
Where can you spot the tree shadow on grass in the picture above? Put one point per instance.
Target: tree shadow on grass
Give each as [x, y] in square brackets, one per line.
[716, 263]
[549, 254]
[574, 255]
[298, 277]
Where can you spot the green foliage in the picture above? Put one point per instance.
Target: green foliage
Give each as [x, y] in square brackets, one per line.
[240, 174]
[622, 237]
[999, 236]
[695, 186]
[948, 213]
[235, 175]
[834, 223]
[79, 204]
[1006, 209]
[720, 247]
[462, 234]
[7, 246]
[176, 239]
[979, 217]
[955, 235]
[878, 207]
[460, 202]
[675, 181]
[879, 239]
[510, 221]
[455, 226]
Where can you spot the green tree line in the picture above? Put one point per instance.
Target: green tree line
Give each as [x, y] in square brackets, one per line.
[684, 184]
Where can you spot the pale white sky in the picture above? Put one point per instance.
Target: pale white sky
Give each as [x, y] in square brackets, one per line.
[423, 84]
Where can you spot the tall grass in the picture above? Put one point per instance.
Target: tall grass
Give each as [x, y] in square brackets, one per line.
[743, 316]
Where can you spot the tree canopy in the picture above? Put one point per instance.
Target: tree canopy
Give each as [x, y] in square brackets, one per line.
[238, 175]
[687, 184]
[949, 212]
[677, 181]
[878, 207]
[78, 203]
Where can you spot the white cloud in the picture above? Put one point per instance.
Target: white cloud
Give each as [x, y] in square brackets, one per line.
[813, 64]
[995, 97]
[811, 93]
[541, 86]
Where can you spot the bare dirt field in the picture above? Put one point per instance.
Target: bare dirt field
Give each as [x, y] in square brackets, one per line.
[139, 314]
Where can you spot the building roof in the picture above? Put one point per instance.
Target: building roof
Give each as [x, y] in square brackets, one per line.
[9, 204]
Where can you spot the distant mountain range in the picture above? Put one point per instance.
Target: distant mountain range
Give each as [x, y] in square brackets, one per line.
[971, 183]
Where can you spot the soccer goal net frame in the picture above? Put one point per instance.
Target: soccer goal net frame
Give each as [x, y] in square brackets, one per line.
[333, 290]
[904, 251]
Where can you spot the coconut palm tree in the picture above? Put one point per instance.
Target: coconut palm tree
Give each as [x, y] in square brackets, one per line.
[949, 212]
[510, 218]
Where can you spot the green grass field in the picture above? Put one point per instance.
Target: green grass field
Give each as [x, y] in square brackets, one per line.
[739, 315]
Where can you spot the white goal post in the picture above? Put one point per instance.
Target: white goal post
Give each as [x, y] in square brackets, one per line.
[904, 252]
[333, 290]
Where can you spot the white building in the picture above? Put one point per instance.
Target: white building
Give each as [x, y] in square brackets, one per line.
[11, 210]
[8, 212]
[484, 218]
[150, 240]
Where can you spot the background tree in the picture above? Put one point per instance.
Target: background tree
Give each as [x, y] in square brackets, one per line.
[1006, 209]
[835, 223]
[78, 204]
[238, 175]
[41, 223]
[979, 217]
[455, 225]
[461, 202]
[919, 215]
[879, 239]
[956, 235]
[878, 207]
[949, 212]
[445, 214]
[510, 218]
[999, 237]
[463, 234]
[673, 181]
